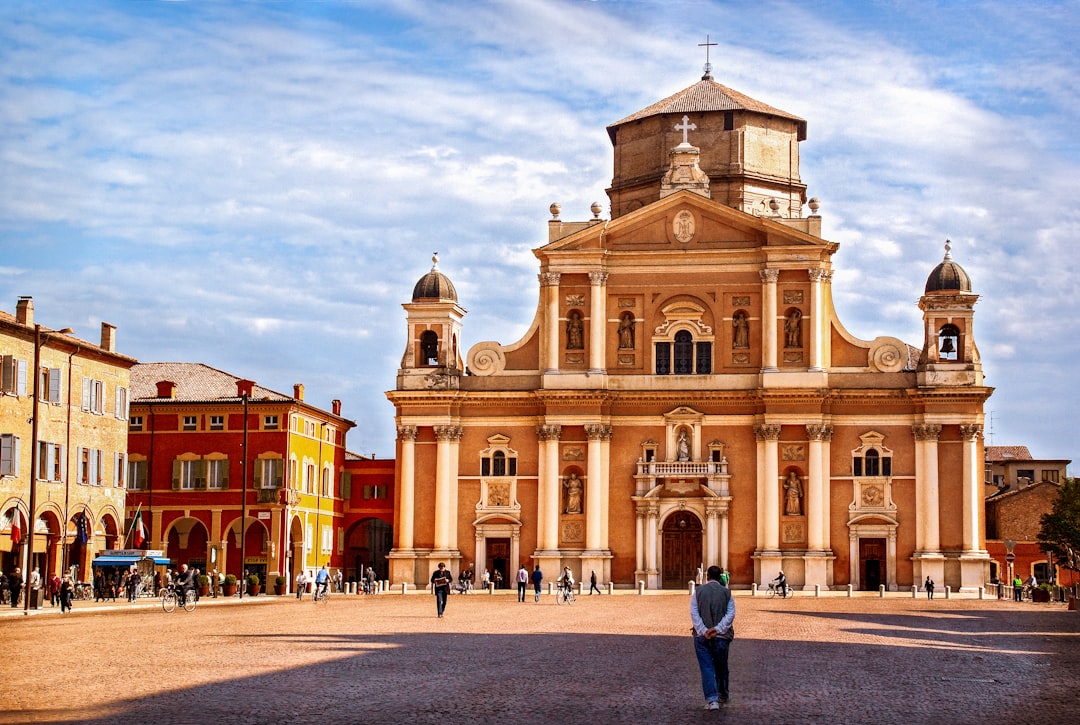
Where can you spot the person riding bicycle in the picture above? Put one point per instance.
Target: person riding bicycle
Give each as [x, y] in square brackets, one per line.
[780, 582]
[566, 579]
[322, 582]
[185, 582]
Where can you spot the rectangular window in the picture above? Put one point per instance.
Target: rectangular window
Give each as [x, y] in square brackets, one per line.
[50, 459]
[137, 475]
[191, 422]
[704, 358]
[217, 474]
[309, 478]
[119, 469]
[327, 538]
[663, 358]
[485, 467]
[9, 455]
[91, 466]
[14, 376]
[121, 401]
[270, 422]
[1028, 473]
[1051, 474]
[135, 423]
[49, 385]
[856, 466]
[93, 396]
[268, 473]
[217, 422]
[325, 487]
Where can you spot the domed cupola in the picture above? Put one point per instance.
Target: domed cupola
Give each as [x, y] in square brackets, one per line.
[948, 276]
[434, 285]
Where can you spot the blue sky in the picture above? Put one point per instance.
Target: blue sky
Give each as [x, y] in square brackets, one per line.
[257, 186]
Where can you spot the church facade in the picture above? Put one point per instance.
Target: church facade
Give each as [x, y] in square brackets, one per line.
[686, 395]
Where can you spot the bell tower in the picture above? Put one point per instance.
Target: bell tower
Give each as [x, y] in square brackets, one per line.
[432, 358]
[949, 354]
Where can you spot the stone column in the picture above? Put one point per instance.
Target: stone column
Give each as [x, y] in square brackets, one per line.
[594, 509]
[651, 524]
[447, 437]
[926, 485]
[597, 322]
[815, 489]
[972, 486]
[407, 513]
[712, 534]
[639, 527]
[768, 437]
[818, 326]
[549, 284]
[547, 504]
[768, 320]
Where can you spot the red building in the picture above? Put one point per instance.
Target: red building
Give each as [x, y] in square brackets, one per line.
[369, 515]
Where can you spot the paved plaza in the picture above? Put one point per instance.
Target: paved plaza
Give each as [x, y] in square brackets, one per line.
[625, 658]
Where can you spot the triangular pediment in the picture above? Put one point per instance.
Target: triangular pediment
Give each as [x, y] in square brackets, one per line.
[687, 223]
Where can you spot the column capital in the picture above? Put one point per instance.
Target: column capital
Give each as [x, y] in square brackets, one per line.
[767, 432]
[770, 275]
[407, 432]
[449, 432]
[549, 279]
[598, 277]
[817, 432]
[926, 431]
[819, 275]
[598, 431]
[970, 432]
[549, 431]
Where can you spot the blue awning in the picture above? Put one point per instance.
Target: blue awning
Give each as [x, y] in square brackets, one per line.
[126, 560]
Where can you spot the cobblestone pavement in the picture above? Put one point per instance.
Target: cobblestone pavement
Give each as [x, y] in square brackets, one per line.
[607, 659]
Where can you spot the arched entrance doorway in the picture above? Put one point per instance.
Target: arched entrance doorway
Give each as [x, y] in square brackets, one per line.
[187, 543]
[681, 549]
[367, 544]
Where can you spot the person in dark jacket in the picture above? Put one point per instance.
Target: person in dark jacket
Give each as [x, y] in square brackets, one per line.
[712, 616]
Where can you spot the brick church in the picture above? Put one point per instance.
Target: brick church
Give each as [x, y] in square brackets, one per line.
[687, 396]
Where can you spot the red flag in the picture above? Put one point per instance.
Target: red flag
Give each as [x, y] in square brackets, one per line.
[140, 532]
[16, 527]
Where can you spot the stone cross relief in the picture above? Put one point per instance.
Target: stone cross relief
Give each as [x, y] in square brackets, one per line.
[685, 127]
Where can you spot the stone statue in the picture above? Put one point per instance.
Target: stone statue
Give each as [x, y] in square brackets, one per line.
[574, 335]
[682, 447]
[793, 495]
[573, 488]
[740, 331]
[626, 332]
[793, 329]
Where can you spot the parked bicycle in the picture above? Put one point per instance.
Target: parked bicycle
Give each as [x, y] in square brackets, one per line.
[171, 599]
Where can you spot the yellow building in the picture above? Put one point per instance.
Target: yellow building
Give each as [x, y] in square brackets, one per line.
[63, 414]
[687, 396]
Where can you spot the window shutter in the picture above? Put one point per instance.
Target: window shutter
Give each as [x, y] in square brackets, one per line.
[8, 378]
[78, 465]
[117, 405]
[54, 385]
[61, 463]
[367, 491]
[20, 378]
[277, 467]
[258, 473]
[346, 484]
[7, 450]
[176, 475]
[86, 393]
[200, 475]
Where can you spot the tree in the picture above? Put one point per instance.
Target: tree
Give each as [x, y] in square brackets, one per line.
[1059, 531]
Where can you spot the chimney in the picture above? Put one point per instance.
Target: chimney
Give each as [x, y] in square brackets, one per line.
[298, 391]
[108, 337]
[24, 311]
[335, 407]
[166, 389]
[244, 388]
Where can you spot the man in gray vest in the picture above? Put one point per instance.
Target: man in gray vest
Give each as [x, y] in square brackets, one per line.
[712, 614]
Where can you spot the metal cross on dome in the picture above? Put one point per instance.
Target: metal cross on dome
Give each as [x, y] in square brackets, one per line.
[708, 65]
[684, 127]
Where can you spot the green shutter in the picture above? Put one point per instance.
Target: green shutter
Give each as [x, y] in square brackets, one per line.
[176, 475]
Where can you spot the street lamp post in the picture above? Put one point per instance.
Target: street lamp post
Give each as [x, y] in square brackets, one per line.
[30, 526]
[243, 491]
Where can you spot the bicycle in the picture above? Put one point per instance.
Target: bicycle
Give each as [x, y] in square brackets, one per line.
[564, 594]
[321, 594]
[775, 590]
[171, 599]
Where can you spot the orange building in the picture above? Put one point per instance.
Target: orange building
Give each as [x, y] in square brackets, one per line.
[203, 500]
[687, 395]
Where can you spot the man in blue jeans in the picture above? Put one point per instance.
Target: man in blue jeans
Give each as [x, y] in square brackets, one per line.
[440, 583]
[712, 614]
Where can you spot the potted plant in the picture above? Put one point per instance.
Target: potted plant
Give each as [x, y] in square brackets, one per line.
[1041, 593]
[204, 585]
[279, 585]
[253, 587]
[228, 587]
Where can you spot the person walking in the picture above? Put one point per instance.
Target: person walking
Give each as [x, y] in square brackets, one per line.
[67, 595]
[440, 583]
[1018, 588]
[301, 582]
[592, 584]
[537, 580]
[712, 616]
[929, 586]
[15, 582]
[522, 582]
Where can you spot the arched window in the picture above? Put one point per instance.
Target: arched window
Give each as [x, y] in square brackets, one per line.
[429, 348]
[683, 356]
[498, 464]
[872, 463]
